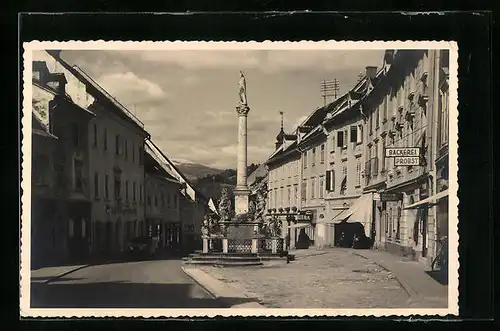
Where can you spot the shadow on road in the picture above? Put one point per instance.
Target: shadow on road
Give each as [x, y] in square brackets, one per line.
[124, 295]
[46, 279]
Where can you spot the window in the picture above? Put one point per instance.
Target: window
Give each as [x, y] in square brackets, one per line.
[383, 153]
[322, 157]
[168, 200]
[321, 187]
[156, 201]
[105, 139]
[330, 180]
[162, 199]
[78, 168]
[358, 171]
[313, 157]
[134, 187]
[141, 156]
[444, 126]
[313, 188]
[175, 201]
[140, 193]
[75, 134]
[106, 186]
[359, 139]
[95, 135]
[375, 147]
[40, 169]
[303, 190]
[133, 153]
[377, 117]
[295, 194]
[398, 228]
[96, 185]
[340, 139]
[386, 106]
[354, 134]
[118, 186]
[304, 160]
[148, 201]
[118, 147]
[289, 190]
[125, 148]
[370, 123]
[126, 190]
[333, 142]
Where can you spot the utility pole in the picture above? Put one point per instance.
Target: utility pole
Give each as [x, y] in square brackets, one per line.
[329, 88]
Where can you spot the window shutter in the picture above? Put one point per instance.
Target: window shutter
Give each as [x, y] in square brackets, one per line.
[340, 139]
[354, 134]
[328, 176]
[332, 177]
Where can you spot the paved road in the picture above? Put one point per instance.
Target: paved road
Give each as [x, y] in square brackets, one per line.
[144, 284]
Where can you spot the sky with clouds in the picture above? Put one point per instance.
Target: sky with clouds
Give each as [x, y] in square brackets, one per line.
[187, 98]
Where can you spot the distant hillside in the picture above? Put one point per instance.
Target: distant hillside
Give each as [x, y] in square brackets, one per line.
[193, 171]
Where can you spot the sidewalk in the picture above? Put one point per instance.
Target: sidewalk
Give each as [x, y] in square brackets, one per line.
[48, 274]
[410, 274]
[231, 295]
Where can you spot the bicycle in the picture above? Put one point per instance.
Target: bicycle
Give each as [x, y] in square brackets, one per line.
[441, 259]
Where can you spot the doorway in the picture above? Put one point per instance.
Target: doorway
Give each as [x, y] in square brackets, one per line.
[424, 215]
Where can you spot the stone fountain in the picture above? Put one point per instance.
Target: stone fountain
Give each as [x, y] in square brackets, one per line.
[242, 235]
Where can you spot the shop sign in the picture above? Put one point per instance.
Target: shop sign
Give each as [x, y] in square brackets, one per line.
[391, 196]
[404, 156]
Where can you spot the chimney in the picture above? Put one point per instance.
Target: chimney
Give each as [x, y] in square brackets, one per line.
[371, 72]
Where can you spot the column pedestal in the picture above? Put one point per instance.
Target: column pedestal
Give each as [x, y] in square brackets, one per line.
[225, 246]
[205, 244]
[254, 246]
[274, 245]
[241, 200]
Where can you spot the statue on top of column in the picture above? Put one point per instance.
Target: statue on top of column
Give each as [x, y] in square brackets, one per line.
[243, 90]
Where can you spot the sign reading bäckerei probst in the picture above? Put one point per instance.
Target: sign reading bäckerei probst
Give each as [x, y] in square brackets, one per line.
[404, 156]
[402, 152]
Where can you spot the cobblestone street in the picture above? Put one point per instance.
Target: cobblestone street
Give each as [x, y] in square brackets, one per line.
[331, 279]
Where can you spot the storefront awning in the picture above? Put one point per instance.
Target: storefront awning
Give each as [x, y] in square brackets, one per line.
[360, 211]
[430, 200]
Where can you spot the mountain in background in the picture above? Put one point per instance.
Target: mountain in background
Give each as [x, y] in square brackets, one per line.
[193, 171]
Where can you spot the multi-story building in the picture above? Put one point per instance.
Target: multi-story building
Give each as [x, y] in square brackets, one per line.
[192, 204]
[61, 204]
[284, 180]
[162, 205]
[400, 114]
[116, 166]
[344, 198]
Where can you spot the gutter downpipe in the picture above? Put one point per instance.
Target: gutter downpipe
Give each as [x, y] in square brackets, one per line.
[434, 147]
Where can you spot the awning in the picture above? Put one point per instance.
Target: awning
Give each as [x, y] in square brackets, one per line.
[430, 200]
[360, 211]
[299, 226]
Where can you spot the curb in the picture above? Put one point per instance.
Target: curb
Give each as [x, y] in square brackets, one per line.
[54, 278]
[219, 290]
[406, 287]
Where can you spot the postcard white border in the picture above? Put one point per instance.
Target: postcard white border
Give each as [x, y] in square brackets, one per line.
[29, 47]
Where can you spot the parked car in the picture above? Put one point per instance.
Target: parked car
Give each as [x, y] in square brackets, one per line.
[141, 247]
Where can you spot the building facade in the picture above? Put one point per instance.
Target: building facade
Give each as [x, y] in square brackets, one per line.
[162, 206]
[61, 204]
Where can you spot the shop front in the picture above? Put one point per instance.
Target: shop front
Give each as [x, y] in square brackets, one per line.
[352, 225]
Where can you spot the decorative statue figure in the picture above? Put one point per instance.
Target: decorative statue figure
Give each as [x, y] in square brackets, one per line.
[275, 227]
[243, 90]
[251, 207]
[205, 226]
[260, 208]
[225, 205]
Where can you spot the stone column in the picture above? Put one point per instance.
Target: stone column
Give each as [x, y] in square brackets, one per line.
[225, 246]
[241, 192]
[254, 245]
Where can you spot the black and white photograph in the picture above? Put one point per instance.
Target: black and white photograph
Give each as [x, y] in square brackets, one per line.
[239, 179]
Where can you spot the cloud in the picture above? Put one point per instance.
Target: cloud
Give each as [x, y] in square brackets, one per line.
[269, 61]
[131, 88]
